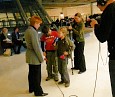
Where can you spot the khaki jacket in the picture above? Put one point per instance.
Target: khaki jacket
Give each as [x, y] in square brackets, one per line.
[34, 53]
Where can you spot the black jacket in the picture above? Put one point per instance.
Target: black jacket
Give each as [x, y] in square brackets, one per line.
[14, 37]
[105, 31]
[2, 37]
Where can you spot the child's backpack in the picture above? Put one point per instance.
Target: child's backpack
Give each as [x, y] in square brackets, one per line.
[71, 46]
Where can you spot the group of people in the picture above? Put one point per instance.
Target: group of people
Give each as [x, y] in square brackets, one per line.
[56, 45]
[14, 43]
[55, 49]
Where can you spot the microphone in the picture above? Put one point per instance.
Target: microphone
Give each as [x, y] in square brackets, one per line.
[56, 39]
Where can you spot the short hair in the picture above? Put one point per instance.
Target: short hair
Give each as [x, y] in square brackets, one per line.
[35, 19]
[4, 30]
[16, 27]
[45, 29]
[64, 30]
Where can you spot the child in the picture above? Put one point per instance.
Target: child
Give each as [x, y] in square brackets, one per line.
[49, 51]
[62, 53]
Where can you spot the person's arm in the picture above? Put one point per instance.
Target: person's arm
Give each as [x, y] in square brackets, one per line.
[36, 46]
[42, 39]
[42, 46]
[2, 37]
[78, 30]
[103, 30]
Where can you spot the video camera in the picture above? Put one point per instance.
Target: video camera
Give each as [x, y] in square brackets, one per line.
[95, 16]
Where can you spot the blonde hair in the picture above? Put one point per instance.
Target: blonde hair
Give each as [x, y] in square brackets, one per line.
[35, 19]
[63, 30]
[79, 15]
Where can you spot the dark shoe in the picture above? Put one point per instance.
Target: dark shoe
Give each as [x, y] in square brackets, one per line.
[67, 84]
[31, 91]
[17, 53]
[48, 78]
[74, 68]
[56, 79]
[44, 94]
[61, 82]
[80, 72]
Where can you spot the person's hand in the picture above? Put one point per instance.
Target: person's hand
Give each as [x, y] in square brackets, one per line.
[45, 59]
[70, 27]
[93, 22]
[54, 44]
[44, 53]
[65, 53]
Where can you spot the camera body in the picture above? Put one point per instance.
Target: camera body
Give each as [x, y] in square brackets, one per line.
[95, 16]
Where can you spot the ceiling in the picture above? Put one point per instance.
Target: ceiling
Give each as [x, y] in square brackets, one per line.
[65, 3]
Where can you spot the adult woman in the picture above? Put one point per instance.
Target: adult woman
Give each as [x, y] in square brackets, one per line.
[34, 57]
[78, 36]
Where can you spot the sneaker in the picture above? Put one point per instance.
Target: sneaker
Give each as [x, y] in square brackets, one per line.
[67, 84]
[56, 78]
[74, 68]
[61, 82]
[48, 78]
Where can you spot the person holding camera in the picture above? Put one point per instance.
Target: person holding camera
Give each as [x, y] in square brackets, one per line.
[105, 31]
[78, 36]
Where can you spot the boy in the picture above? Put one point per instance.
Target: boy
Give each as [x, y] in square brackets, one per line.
[62, 53]
[49, 52]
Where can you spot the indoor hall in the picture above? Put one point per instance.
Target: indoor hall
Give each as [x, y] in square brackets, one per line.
[14, 71]
[95, 82]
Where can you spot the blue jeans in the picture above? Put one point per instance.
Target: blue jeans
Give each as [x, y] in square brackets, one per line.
[112, 75]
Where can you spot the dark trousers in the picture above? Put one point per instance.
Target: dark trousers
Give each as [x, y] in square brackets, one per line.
[79, 58]
[51, 64]
[6, 45]
[17, 45]
[112, 75]
[34, 79]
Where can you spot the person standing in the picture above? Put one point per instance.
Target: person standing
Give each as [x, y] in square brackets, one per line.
[78, 36]
[48, 39]
[62, 53]
[105, 31]
[34, 56]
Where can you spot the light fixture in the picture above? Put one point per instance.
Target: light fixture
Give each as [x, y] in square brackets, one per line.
[61, 15]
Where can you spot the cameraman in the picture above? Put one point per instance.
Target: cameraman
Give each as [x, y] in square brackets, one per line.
[105, 31]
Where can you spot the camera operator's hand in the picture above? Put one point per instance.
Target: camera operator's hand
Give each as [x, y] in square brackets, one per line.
[93, 22]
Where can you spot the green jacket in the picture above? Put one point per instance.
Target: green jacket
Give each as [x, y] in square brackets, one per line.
[78, 31]
[33, 53]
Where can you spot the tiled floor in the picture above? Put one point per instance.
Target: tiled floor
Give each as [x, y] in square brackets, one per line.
[14, 70]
